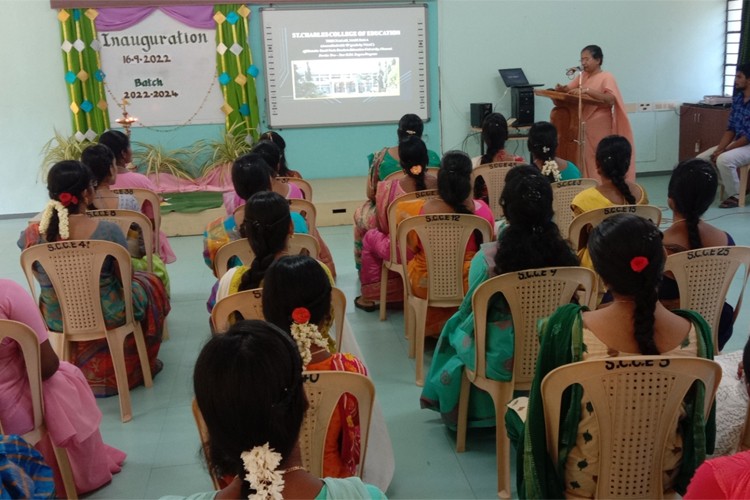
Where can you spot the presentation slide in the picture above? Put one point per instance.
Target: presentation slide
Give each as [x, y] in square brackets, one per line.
[345, 66]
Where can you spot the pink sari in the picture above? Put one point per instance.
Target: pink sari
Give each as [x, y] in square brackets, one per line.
[71, 413]
[602, 121]
[376, 247]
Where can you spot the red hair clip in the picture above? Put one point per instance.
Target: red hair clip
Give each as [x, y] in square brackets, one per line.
[300, 315]
[638, 263]
[67, 198]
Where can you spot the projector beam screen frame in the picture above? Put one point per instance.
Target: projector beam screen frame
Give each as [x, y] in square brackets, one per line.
[349, 65]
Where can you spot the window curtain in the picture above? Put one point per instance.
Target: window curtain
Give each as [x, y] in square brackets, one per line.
[236, 70]
[83, 74]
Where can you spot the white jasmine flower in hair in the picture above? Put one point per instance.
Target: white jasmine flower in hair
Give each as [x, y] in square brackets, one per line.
[260, 464]
[62, 215]
[305, 334]
[550, 167]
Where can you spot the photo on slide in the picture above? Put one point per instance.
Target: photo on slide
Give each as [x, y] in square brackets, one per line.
[346, 78]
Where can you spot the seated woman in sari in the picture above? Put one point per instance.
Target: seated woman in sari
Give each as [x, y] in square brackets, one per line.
[119, 144]
[612, 163]
[271, 154]
[70, 409]
[100, 159]
[70, 186]
[692, 189]
[454, 190]
[542, 144]
[250, 175]
[494, 137]
[628, 254]
[249, 388]
[297, 299]
[382, 164]
[530, 240]
[283, 170]
[376, 242]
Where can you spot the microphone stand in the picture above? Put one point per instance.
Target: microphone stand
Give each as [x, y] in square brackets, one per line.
[581, 125]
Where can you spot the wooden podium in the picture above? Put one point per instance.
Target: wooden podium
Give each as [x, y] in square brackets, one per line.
[570, 131]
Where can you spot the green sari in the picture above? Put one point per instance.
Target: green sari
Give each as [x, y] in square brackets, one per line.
[537, 475]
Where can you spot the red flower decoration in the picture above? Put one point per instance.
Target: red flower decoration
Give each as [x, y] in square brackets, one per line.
[638, 263]
[301, 315]
[67, 198]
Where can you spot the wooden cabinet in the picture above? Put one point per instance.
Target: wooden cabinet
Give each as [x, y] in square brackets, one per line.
[701, 127]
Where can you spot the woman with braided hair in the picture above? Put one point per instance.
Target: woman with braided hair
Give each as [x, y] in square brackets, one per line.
[542, 144]
[376, 242]
[382, 164]
[529, 240]
[612, 164]
[249, 388]
[494, 136]
[71, 190]
[454, 191]
[692, 189]
[297, 299]
[628, 254]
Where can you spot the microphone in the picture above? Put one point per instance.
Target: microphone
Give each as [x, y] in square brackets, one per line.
[572, 71]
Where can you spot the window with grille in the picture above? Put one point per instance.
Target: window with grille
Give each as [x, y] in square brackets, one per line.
[732, 43]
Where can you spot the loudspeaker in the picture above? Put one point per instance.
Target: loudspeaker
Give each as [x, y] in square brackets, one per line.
[522, 104]
[479, 111]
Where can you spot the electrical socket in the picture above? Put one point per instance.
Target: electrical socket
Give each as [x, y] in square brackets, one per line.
[665, 106]
[645, 107]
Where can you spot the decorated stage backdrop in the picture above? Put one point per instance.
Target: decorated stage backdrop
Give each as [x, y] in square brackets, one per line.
[175, 66]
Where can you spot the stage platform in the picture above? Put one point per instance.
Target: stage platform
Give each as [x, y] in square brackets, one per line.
[335, 199]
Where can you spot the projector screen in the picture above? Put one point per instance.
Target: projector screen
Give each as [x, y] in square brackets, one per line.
[345, 65]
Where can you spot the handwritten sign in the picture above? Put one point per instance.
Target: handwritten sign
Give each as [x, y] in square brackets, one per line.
[708, 252]
[429, 192]
[442, 218]
[646, 363]
[60, 245]
[574, 182]
[536, 273]
[620, 210]
[101, 213]
[164, 69]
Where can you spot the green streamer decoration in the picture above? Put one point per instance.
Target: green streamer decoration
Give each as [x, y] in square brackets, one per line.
[236, 71]
[83, 75]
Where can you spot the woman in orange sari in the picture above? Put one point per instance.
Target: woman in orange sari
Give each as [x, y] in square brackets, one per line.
[607, 118]
[297, 299]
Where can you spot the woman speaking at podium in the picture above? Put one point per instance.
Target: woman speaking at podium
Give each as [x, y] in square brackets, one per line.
[603, 119]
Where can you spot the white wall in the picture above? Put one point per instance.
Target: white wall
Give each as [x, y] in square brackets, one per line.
[33, 100]
[668, 50]
[658, 50]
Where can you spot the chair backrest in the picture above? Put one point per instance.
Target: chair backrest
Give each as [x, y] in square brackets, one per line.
[301, 242]
[494, 177]
[703, 278]
[443, 238]
[303, 185]
[29, 344]
[248, 303]
[324, 389]
[563, 193]
[531, 294]
[241, 249]
[143, 196]
[237, 248]
[74, 268]
[203, 434]
[594, 217]
[308, 211]
[125, 219]
[427, 194]
[400, 173]
[338, 303]
[636, 401]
